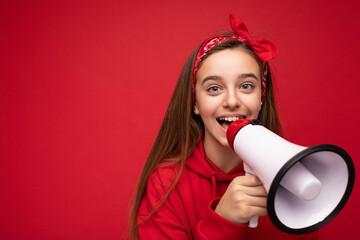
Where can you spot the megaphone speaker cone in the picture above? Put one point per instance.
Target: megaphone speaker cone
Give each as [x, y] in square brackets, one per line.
[307, 186]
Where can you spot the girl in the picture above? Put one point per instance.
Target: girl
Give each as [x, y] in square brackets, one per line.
[193, 185]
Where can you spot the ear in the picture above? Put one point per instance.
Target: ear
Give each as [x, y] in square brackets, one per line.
[196, 109]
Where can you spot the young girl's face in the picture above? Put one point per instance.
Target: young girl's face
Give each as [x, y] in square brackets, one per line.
[228, 87]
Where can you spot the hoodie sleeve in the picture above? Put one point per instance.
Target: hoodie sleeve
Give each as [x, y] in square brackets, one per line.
[165, 222]
[170, 221]
[216, 227]
[310, 236]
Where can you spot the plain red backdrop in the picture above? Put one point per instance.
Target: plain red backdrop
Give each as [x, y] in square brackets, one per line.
[85, 84]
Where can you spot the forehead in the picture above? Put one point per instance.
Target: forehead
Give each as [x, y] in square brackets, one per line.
[229, 61]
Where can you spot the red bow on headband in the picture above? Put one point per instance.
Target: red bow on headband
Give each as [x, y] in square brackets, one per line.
[263, 48]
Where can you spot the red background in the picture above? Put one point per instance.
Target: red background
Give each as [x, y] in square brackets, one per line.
[85, 84]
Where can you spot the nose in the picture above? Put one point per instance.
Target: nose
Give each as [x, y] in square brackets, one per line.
[231, 100]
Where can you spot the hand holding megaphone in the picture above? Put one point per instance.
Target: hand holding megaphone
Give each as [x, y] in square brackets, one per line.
[244, 198]
[307, 187]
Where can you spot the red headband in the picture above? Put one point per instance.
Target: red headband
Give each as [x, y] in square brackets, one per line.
[264, 49]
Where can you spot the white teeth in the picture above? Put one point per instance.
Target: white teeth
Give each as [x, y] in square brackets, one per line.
[230, 119]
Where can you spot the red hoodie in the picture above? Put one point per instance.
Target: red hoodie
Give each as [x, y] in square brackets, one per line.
[188, 212]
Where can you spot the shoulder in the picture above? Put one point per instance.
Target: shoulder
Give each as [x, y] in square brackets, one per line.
[163, 177]
[158, 187]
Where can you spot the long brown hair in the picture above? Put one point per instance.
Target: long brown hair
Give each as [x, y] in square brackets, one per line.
[181, 129]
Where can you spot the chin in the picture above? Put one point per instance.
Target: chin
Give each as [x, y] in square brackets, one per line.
[224, 142]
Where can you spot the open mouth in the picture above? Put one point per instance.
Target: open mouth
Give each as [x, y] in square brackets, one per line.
[226, 121]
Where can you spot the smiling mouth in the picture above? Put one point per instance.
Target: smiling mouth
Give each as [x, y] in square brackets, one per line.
[226, 121]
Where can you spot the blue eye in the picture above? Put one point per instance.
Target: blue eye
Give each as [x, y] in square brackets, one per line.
[247, 86]
[213, 89]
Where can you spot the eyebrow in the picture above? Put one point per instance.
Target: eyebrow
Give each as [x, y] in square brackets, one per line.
[248, 75]
[217, 78]
[212, 77]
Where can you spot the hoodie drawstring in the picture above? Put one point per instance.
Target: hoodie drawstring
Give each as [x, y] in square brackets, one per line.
[213, 182]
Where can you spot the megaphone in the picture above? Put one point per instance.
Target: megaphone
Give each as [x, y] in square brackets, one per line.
[307, 186]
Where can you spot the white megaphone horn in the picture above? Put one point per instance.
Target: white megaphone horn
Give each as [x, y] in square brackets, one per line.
[307, 186]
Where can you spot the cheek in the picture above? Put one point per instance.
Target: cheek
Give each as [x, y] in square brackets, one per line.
[205, 109]
[205, 106]
[254, 106]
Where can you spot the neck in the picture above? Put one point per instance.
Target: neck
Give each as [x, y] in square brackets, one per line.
[222, 156]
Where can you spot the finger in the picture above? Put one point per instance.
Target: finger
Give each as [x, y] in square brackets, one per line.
[259, 211]
[246, 214]
[258, 191]
[254, 201]
[248, 180]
